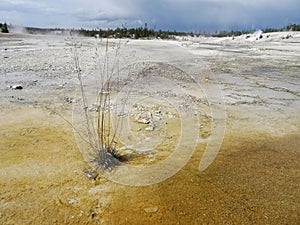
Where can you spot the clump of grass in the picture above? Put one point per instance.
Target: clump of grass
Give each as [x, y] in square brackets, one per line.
[99, 135]
[106, 158]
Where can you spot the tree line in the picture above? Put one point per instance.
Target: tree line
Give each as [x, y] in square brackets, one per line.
[133, 33]
[144, 32]
[225, 33]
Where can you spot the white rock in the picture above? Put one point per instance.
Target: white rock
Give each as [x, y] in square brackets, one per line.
[16, 87]
[149, 115]
[157, 118]
[144, 121]
[152, 209]
[73, 201]
[150, 128]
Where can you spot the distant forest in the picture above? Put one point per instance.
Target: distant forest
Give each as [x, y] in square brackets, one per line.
[132, 33]
[143, 32]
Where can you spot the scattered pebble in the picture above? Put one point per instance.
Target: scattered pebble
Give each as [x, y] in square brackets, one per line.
[16, 87]
[73, 201]
[69, 100]
[150, 128]
[90, 175]
[144, 121]
[152, 209]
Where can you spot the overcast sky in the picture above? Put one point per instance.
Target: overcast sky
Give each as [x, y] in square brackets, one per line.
[180, 15]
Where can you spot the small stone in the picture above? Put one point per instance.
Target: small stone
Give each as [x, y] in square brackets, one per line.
[150, 128]
[153, 209]
[69, 100]
[16, 87]
[20, 99]
[157, 118]
[91, 175]
[73, 201]
[149, 115]
[144, 121]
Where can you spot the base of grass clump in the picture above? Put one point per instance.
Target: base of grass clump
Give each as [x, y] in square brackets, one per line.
[107, 159]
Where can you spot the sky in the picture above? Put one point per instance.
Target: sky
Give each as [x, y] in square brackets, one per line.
[179, 15]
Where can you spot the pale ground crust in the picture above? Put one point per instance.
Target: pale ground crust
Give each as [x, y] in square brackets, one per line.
[254, 179]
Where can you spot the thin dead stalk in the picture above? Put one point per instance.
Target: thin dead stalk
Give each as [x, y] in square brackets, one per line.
[100, 136]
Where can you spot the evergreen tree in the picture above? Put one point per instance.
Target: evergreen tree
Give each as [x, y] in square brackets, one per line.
[4, 28]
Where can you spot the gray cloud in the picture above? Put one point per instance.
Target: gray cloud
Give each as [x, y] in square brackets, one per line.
[166, 14]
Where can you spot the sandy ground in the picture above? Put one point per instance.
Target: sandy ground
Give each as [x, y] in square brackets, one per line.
[253, 180]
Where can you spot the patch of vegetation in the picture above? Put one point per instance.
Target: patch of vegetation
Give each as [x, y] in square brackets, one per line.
[35, 30]
[4, 28]
[293, 27]
[146, 33]
[225, 33]
[98, 131]
[124, 32]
